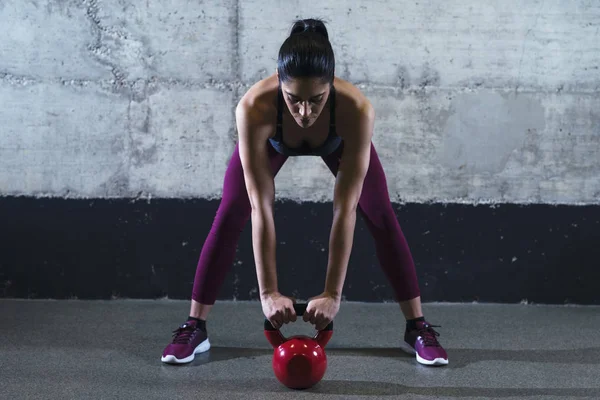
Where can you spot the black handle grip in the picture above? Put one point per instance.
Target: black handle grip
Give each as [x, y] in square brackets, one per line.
[299, 309]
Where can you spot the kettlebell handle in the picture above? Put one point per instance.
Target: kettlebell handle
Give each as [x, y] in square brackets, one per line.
[276, 338]
[300, 309]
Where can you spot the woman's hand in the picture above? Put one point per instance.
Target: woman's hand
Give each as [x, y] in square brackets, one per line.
[321, 310]
[278, 309]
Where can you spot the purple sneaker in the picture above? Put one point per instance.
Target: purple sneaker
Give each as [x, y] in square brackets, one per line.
[188, 340]
[423, 342]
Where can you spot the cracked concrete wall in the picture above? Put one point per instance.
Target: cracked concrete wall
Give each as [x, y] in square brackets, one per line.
[494, 102]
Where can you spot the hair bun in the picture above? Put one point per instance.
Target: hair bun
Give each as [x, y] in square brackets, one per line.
[309, 25]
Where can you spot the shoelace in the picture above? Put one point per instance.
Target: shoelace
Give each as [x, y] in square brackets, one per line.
[183, 334]
[428, 334]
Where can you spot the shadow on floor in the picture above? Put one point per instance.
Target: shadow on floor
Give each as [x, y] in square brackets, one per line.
[366, 388]
[458, 358]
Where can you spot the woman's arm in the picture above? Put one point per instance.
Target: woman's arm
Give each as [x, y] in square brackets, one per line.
[253, 134]
[358, 131]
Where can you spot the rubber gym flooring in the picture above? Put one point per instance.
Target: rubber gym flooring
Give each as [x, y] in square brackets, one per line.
[73, 349]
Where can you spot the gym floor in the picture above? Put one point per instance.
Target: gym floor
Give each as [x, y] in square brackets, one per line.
[72, 349]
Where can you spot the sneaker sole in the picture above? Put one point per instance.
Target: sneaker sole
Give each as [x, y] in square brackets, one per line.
[407, 348]
[201, 348]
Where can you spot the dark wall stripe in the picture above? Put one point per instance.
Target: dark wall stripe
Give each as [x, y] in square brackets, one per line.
[97, 249]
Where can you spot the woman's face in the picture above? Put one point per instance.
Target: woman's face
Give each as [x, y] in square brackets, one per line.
[305, 98]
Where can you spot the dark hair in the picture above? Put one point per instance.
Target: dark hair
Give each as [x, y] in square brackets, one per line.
[307, 52]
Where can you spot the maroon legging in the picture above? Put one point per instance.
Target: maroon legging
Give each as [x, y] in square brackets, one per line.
[219, 250]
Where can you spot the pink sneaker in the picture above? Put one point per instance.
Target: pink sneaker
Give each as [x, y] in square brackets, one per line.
[423, 342]
[188, 340]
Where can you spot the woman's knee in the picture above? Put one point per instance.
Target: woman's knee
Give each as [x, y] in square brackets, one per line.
[379, 213]
[234, 210]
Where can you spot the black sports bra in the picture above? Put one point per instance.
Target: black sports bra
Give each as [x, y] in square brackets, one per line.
[329, 146]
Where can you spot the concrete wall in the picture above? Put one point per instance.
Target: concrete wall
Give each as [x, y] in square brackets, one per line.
[493, 101]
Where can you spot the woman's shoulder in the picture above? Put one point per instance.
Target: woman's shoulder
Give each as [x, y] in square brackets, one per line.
[350, 99]
[260, 100]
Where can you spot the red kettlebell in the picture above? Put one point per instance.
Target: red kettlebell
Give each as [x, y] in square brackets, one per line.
[299, 362]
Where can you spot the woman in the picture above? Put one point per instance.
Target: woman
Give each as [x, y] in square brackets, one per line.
[304, 110]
